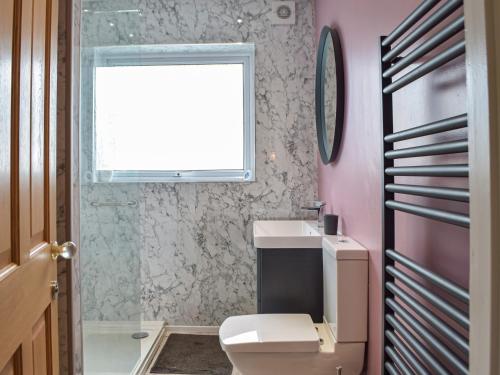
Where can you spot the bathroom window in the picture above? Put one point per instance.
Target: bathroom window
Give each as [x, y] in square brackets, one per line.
[174, 113]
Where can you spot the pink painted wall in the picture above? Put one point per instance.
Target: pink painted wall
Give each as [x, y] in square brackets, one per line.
[352, 185]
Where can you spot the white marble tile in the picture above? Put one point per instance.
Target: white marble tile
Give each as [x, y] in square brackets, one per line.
[186, 250]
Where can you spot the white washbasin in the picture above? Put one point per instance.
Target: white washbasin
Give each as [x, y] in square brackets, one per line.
[286, 234]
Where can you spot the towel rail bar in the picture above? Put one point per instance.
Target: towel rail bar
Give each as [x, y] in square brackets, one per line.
[438, 324]
[417, 346]
[451, 123]
[428, 337]
[447, 9]
[400, 363]
[407, 354]
[430, 213]
[390, 369]
[449, 170]
[450, 147]
[409, 21]
[437, 39]
[445, 307]
[451, 288]
[114, 204]
[439, 60]
[453, 194]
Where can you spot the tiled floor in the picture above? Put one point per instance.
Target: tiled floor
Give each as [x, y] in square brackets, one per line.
[186, 330]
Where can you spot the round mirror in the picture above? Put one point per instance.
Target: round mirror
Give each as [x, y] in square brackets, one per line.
[329, 95]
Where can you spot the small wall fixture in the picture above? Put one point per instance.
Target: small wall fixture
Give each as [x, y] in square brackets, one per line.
[283, 13]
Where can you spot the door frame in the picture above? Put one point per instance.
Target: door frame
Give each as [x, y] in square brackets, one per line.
[70, 314]
[482, 21]
[73, 141]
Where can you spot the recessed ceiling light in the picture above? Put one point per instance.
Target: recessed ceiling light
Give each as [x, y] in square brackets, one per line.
[131, 35]
[239, 21]
[111, 24]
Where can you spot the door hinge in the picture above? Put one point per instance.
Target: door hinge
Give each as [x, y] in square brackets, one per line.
[54, 286]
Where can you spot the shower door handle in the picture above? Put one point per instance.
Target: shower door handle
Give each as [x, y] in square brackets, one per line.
[67, 250]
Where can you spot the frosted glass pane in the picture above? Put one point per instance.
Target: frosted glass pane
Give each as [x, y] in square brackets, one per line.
[171, 117]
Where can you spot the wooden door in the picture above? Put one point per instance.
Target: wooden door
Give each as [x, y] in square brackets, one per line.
[28, 311]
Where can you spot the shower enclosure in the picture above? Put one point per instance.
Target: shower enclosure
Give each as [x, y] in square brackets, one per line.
[115, 339]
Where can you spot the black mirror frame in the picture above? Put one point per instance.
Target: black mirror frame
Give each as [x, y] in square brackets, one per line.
[328, 156]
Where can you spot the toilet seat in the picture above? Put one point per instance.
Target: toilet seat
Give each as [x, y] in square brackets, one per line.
[278, 333]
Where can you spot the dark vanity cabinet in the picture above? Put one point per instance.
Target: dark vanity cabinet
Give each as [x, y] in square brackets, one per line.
[290, 281]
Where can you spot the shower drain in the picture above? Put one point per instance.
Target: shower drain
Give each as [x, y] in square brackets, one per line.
[140, 335]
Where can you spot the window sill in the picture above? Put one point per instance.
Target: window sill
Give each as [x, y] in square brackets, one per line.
[173, 177]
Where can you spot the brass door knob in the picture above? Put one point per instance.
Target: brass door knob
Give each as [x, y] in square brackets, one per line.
[67, 250]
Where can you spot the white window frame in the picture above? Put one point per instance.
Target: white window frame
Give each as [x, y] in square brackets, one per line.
[184, 54]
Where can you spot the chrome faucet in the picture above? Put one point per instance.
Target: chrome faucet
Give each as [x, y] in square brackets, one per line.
[318, 207]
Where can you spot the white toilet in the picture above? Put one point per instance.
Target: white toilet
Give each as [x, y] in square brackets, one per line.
[291, 344]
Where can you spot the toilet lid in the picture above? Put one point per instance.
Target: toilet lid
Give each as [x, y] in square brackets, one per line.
[284, 333]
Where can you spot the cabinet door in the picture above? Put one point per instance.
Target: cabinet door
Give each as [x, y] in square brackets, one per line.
[290, 281]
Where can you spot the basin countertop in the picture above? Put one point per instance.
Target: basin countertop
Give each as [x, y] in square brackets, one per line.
[286, 234]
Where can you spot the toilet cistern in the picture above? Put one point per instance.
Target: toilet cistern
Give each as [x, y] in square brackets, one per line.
[290, 343]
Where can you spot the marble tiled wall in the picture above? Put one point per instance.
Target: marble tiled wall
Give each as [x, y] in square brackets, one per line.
[184, 254]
